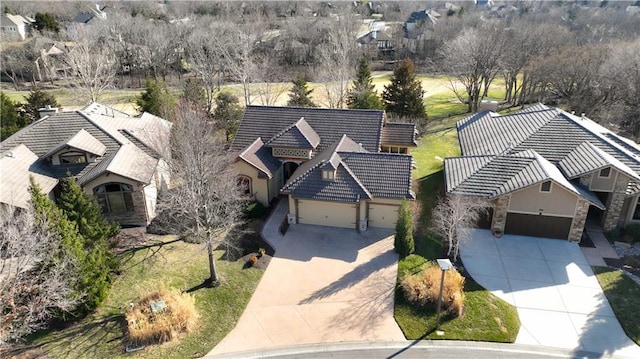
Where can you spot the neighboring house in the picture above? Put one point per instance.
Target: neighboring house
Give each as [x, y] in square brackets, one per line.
[15, 27]
[378, 41]
[49, 62]
[113, 156]
[546, 172]
[328, 162]
[77, 25]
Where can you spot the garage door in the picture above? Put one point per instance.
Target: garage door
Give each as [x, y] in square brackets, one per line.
[382, 215]
[327, 214]
[538, 225]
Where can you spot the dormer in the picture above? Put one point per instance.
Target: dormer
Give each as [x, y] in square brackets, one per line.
[82, 147]
[297, 141]
[330, 167]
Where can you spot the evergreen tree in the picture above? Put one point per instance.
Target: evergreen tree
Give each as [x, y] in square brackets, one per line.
[70, 242]
[94, 230]
[403, 240]
[403, 96]
[156, 99]
[228, 113]
[193, 92]
[300, 94]
[37, 99]
[11, 118]
[363, 94]
[46, 22]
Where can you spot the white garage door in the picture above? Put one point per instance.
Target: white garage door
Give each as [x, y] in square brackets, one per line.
[327, 214]
[383, 215]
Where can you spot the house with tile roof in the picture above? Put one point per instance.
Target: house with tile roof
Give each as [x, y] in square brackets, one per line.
[339, 168]
[547, 172]
[115, 157]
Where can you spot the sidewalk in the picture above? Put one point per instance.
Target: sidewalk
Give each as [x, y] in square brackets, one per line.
[595, 256]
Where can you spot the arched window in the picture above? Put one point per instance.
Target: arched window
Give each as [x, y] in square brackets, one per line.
[73, 157]
[114, 197]
[244, 183]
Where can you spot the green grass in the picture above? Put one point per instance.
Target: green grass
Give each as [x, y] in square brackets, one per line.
[624, 296]
[174, 264]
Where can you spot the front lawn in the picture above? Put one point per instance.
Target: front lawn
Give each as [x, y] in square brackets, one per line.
[624, 296]
[174, 264]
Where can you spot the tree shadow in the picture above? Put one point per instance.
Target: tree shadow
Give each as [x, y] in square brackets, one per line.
[152, 251]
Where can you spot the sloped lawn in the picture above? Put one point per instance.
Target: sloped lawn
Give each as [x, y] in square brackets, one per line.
[174, 264]
[624, 296]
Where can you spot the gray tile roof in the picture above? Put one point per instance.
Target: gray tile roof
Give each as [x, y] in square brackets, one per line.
[362, 126]
[399, 134]
[16, 165]
[553, 133]
[299, 135]
[492, 177]
[259, 156]
[587, 158]
[83, 141]
[359, 175]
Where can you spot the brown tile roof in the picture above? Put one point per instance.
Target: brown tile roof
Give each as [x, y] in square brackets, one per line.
[403, 134]
[259, 156]
[299, 135]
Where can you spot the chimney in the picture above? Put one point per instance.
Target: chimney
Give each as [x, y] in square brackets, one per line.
[46, 111]
[583, 116]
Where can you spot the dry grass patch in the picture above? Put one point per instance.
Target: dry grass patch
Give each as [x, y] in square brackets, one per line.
[161, 316]
[423, 289]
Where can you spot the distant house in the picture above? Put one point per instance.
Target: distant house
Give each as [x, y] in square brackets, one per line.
[113, 156]
[338, 168]
[49, 59]
[377, 40]
[546, 172]
[77, 25]
[15, 27]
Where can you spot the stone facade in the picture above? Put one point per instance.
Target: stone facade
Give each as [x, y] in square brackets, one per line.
[615, 203]
[139, 215]
[579, 219]
[500, 209]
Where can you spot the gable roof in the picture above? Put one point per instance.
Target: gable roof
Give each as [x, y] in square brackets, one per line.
[396, 133]
[494, 176]
[362, 126]
[587, 158]
[358, 175]
[299, 135]
[115, 140]
[16, 166]
[552, 133]
[259, 156]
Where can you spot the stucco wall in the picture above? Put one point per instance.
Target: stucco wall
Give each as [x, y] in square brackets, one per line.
[603, 184]
[557, 202]
[259, 186]
[139, 216]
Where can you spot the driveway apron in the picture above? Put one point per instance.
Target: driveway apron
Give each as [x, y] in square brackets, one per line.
[324, 285]
[557, 295]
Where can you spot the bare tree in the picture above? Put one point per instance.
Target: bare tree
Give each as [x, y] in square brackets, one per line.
[33, 287]
[472, 57]
[206, 203]
[269, 86]
[454, 217]
[337, 58]
[204, 58]
[94, 64]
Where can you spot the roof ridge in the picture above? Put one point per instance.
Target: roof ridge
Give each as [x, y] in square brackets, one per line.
[107, 132]
[302, 132]
[286, 129]
[293, 181]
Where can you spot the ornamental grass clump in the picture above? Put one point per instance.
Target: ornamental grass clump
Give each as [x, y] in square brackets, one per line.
[422, 289]
[161, 316]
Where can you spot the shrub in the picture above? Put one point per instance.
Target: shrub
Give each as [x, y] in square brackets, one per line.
[422, 289]
[632, 261]
[613, 235]
[255, 210]
[253, 260]
[146, 326]
[403, 240]
[633, 230]
[261, 252]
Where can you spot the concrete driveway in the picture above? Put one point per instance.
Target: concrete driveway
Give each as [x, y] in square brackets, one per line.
[558, 298]
[324, 285]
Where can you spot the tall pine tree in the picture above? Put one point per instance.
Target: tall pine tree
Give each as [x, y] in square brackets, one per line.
[403, 96]
[363, 94]
[94, 229]
[37, 99]
[300, 94]
[156, 99]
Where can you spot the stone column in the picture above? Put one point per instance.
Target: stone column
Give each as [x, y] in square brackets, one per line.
[615, 203]
[579, 219]
[501, 206]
